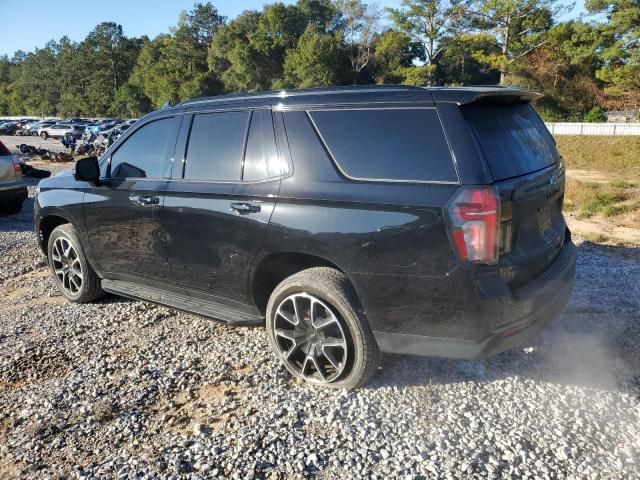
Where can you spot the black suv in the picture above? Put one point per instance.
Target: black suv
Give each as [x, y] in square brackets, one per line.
[354, 220]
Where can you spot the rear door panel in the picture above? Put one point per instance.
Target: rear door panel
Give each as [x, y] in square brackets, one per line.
[211, 246]
[211, 241]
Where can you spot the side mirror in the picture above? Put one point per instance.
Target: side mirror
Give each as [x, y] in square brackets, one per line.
[87, 170]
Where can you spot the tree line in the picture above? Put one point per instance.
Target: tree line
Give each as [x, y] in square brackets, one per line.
[583, 66]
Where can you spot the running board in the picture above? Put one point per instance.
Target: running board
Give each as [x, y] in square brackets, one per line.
[187, 303]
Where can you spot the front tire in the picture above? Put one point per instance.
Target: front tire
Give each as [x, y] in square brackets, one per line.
[318, 330]
[43, 135]
[72, 273]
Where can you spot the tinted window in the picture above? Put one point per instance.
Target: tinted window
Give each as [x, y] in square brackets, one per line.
[393, 144]
[215, 146]
[261, 157]
[144, 154]
[513, 139]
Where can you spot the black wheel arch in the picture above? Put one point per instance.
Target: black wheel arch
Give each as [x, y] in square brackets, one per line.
[49, 217]
[48, 224]
[272, 268]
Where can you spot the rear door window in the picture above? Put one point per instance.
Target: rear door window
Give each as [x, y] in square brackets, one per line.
[397, 144]
[215, 147]
[513, 139]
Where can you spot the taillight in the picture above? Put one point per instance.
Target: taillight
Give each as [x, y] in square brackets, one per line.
[475, 222]
[16, 167]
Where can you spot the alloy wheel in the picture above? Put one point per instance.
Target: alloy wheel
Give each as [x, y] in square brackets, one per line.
[67, 266]
[311, 338]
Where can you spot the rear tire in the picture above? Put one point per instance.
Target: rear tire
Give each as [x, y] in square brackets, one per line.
[43, 135]
[332, 344]
[72, 273]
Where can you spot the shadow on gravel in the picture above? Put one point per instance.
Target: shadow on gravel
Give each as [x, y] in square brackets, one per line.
[595, 343]
[23, 221]
[20, 222]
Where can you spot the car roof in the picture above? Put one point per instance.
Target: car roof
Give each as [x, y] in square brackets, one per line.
[365, 94]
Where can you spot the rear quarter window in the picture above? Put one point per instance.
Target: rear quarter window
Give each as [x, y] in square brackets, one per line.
[397, 144]
[513, 139]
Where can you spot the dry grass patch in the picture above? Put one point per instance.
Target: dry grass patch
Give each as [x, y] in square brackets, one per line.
[588, 199]
[619, 156]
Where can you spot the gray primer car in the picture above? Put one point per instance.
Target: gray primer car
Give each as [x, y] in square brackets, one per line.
[13, 191]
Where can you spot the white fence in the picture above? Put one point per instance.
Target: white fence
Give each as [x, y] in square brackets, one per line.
[2, 119]
[567, 128]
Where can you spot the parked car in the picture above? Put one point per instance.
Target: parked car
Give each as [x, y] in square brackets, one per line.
[114, 131]
[34, 127]
[78, 121]
[13, 191]
[350, 220]
[21, 127]
[59, 130]
[98, 127]
[8, 128]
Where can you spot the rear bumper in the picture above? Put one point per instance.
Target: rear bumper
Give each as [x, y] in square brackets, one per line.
[532, 307]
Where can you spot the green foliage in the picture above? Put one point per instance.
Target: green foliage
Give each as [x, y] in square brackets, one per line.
[583, 68]
[604, 202]
[622, 184]
[249, 53]
[427, 22]
[564, 69]
[174, 67]
[418, 76]
[595, 115]
[130, 102]
[620, 42]
[316, 61]
[519, 27]
[463, 60]
[394, 53]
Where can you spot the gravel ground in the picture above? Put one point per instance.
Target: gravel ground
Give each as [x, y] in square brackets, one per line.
[125, 389]
[13, 141]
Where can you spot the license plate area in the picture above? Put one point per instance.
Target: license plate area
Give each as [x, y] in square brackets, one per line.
[544, 220]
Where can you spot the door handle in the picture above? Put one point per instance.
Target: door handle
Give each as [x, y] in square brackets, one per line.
[245, 207]
[144, 200]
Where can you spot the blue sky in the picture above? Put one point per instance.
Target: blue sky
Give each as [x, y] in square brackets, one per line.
[31, 24]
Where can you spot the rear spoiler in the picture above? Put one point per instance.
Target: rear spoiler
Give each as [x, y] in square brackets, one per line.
[493, 94]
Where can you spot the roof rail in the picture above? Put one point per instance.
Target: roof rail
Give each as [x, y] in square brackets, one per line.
[301, 92]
